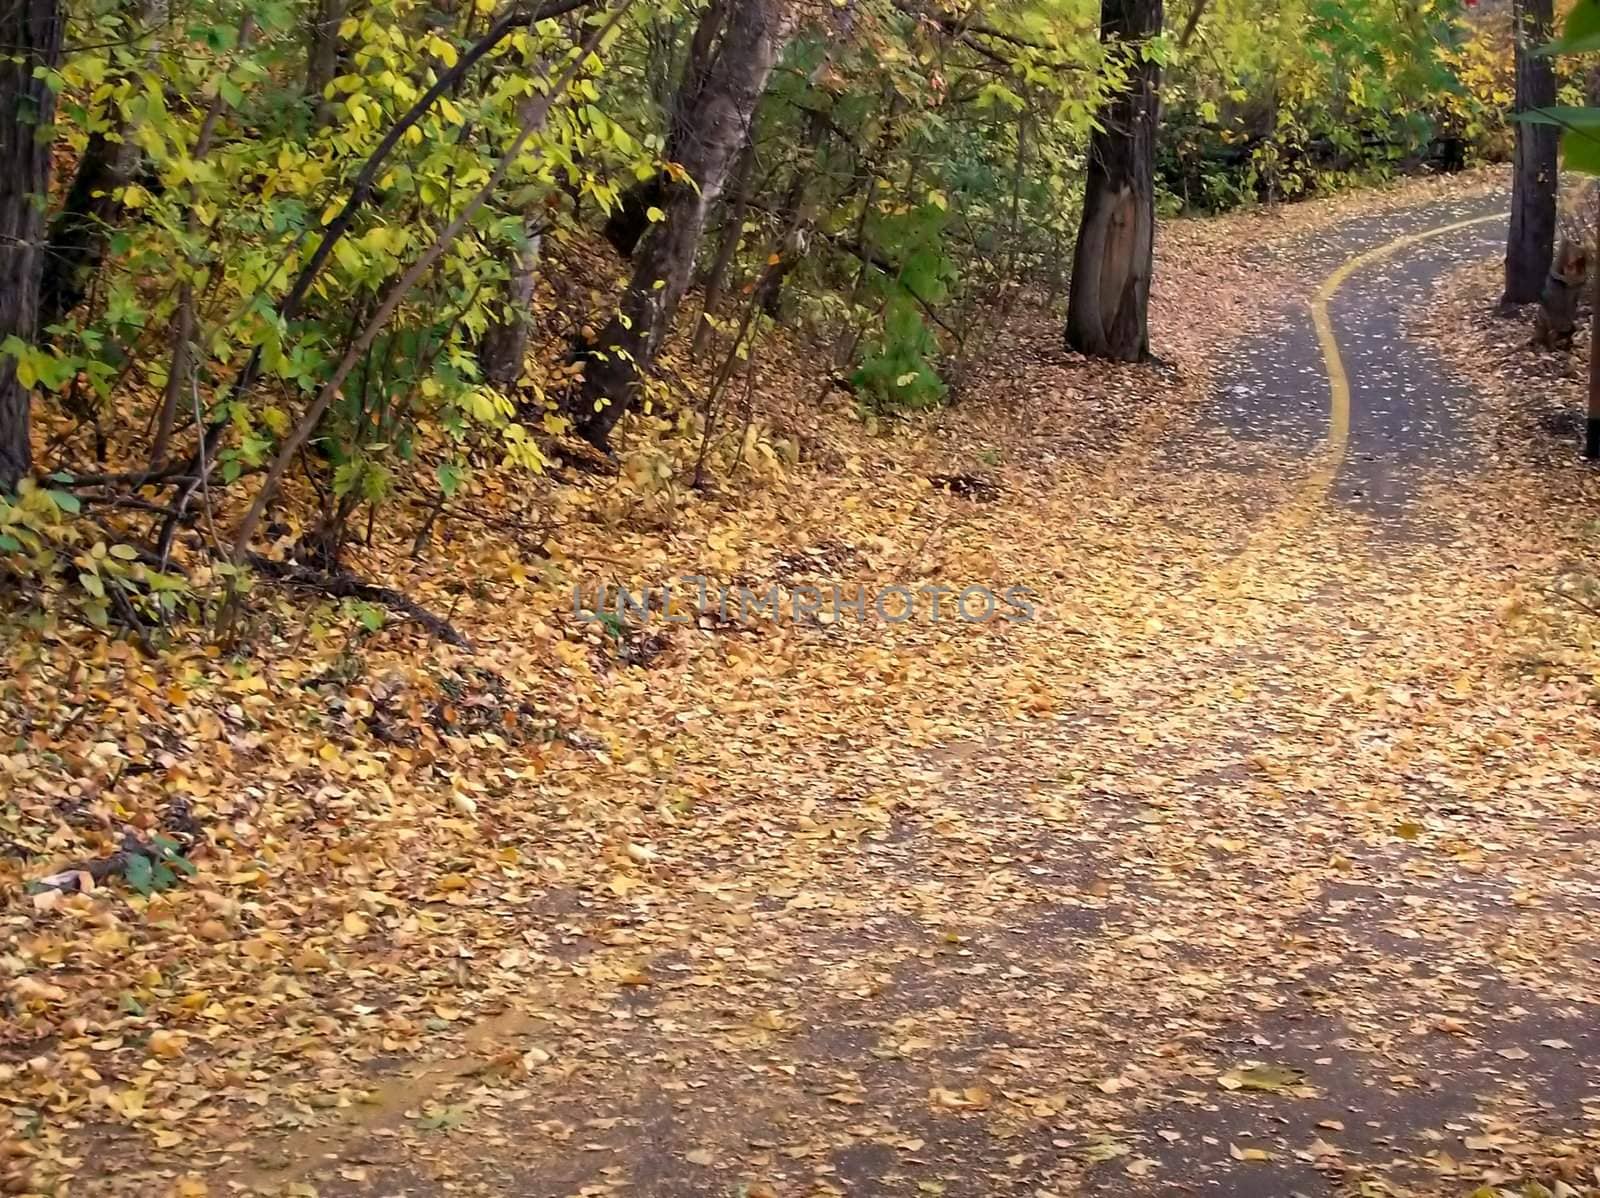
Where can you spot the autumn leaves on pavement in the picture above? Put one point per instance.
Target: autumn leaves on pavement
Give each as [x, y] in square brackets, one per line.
[1250, 879]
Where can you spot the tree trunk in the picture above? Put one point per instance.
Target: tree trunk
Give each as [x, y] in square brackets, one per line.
[30, 31]
[1557, 320]
[629, 221]
[504, 350]
[795, 213]
[93, 203]
[1531, 241]
[1591, 423]
[711, 130]
[78, 232]
[322, 56]
[1108, 307]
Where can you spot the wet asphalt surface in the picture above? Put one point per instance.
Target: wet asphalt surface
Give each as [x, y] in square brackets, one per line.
[1406, 411]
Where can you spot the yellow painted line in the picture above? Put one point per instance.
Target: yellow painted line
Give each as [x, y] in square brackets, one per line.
[1301, 508]
[1339, 417]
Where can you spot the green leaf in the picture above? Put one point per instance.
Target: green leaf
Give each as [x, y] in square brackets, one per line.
[1580, 137]
[66, 501]
[1268, 1079]
[1565, 116]
[92, 583]
[1581, 32]
[1580, 149]
[448, 1119]
[451, 477]
[369, 616]
[9, 544]
[140, 874]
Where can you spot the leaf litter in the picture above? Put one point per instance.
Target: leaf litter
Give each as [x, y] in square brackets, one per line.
[1214, 866]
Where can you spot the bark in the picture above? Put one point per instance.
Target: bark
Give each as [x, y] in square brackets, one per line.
[92, 207]
[78, 232]
[1108, 307]
[711, 130]
[322, 56]
[31, 31]
[504, 350]
[1591, 424]
[1557, 320]
[1531, 240]
[628, 223]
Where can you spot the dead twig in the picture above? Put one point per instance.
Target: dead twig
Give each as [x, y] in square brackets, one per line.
[1572, 599]
[344, 585]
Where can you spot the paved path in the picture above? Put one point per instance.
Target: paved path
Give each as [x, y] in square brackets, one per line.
[1241, 924]
[1405, 412]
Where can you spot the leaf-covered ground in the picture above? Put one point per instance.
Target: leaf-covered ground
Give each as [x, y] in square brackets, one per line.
[1257, 864]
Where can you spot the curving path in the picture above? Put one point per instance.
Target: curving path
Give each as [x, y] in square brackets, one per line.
[1285, 905]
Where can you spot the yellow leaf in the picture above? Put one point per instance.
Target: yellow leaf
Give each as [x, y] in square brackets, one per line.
[165, 1044]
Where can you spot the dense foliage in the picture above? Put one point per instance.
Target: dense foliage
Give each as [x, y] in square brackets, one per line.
[292, 243]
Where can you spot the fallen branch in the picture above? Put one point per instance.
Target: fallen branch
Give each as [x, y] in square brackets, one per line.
[344, 585]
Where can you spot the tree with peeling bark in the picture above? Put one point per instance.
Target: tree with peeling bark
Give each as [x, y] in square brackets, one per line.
[630, 219]
[1108, 306]
[1530, 243]
[711, 127]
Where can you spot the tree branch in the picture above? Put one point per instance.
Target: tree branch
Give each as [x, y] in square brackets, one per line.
[344, 585]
